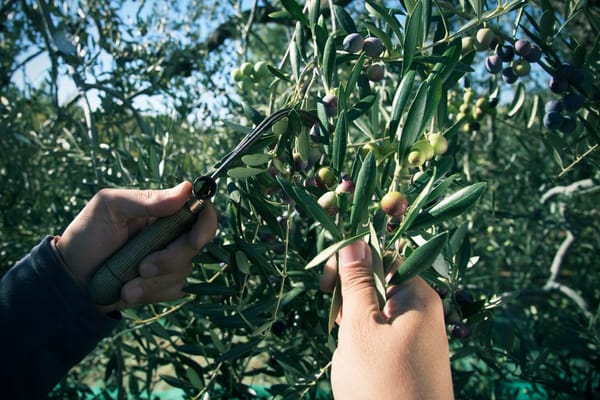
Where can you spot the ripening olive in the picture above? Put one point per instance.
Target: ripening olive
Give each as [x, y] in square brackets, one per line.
[394, 204]
[329, 202]
[331, 103]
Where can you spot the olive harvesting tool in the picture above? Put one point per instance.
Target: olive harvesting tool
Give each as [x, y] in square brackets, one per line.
[122, 266]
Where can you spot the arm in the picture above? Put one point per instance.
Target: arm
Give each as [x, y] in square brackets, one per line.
[400, 352]
[48, 321]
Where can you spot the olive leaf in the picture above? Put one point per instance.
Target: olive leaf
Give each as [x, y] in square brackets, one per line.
[295, 11]
[331, 250]
[422, 257]
[451, 206]
[414, 36]
[400, 99]
[363, 193]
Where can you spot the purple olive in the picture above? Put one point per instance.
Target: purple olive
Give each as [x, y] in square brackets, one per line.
[534, 54]
[508, 75]
[373, 47]
[572, 102]
[331, 103]
[506, 53]
[553, 120]
[353, 43]
[493, 64]
[522, 47]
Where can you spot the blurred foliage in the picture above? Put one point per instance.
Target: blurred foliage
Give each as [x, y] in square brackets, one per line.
[141, 94]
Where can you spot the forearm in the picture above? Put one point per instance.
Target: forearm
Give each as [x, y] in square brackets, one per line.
[48, 324]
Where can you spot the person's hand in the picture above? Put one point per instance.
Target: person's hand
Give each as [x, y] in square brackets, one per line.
[400, 352]
[111, 218]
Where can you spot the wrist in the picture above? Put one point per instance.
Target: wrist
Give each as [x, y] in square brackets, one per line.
[56, 247]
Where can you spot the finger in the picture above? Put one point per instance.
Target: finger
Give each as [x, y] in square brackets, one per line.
[329, 276]
[129, 204]
[152, 290]
[359, 297]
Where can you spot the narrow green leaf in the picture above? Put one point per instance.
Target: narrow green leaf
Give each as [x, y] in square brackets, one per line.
[361, 107]
[414, 120]
[535, 109]
[400, 99]
[356, 72]
[377, 264]
[310, 205]
[518, 101]
[345, 20]
[244, 172]
[363, 193]
[414, 36]
[295, 11]
[254, 160]
[331, 250]
[451, 206]
[240, 350]
[315, 12]
[421, 258]
[385, 14]
[340, 138]
[434, 95]
[451, 56]
[328, 64]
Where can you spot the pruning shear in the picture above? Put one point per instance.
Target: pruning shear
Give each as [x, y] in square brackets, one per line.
[122, 266]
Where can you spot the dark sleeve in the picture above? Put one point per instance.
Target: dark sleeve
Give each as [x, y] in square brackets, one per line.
[47, 325]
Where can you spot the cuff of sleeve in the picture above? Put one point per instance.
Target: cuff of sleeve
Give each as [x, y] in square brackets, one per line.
[75, 301]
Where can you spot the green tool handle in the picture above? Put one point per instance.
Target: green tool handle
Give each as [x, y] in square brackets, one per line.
[122, 266]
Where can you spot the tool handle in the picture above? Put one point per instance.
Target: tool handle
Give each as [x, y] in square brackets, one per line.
[122, 266]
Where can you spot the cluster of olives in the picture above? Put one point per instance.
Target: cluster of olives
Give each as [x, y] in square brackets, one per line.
[435, 144]
[474, 113]
[326, 178]
[560, 114]
[372, 47]
[249, 74]
[527, 53]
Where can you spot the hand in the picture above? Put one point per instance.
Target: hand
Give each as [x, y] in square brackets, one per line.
[400, 352]
[115, 215]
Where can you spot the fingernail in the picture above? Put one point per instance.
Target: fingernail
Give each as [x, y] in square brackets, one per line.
[356, 252]
[148, 270]
[133, 294]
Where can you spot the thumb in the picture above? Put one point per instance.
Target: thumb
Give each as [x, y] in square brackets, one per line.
[359, 297]
[127, 204]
